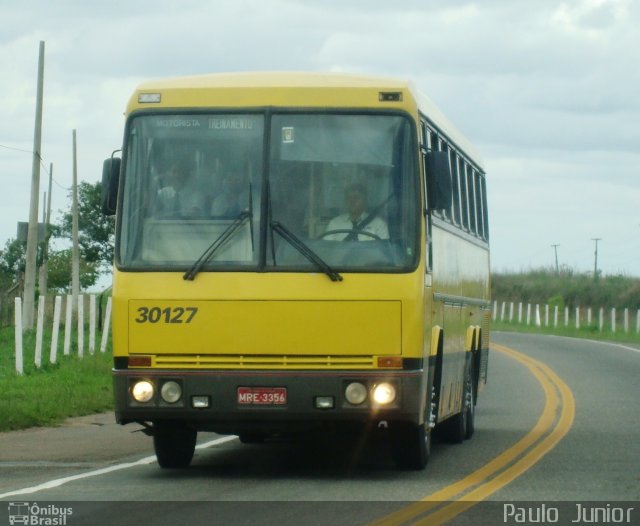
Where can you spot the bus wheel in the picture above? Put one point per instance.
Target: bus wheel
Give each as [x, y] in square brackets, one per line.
[462, 426]
[470, 402]
[174, 445]
[411, 445]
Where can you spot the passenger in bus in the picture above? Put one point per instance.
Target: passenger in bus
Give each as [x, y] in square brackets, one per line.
[233, 197]
[180, 196]
[356, 224]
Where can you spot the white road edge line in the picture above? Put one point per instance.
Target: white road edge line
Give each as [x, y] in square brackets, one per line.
[600, 342]
[143, 461]
[634, 349]
[597, 342]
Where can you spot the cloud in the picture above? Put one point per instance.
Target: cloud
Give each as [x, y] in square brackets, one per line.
[590, 18]
[546, 90]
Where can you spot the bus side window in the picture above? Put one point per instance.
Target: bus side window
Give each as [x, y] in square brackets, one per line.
[483, 202]
[473, 201]
[464, 194]
[455, 204]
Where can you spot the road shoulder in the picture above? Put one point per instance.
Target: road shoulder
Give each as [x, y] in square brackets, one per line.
[94, 438]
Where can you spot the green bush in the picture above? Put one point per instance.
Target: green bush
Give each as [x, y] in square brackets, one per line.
[566, 289]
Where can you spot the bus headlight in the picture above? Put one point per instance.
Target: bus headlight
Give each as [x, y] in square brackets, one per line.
[142, 391]
[171, 392]
[355, 393]
[383, 393]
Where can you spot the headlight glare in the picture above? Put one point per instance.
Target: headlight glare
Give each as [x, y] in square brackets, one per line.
[142, 391]
[384, 393]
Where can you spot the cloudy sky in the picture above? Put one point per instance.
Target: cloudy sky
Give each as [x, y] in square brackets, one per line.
[547, 90]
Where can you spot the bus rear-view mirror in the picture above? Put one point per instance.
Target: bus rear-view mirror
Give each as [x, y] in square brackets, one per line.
[110, 180]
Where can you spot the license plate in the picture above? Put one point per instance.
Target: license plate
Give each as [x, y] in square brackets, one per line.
[262, 395]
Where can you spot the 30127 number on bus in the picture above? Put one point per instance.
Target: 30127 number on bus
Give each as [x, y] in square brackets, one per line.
[166, 314]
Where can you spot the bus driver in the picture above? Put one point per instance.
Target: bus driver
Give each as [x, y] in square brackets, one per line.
[180, 196]
[356, 219]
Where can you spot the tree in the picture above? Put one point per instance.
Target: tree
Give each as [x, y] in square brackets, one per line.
[96, 241]
[12, 263]
[59, 266]
[13, 259]
[96, 232]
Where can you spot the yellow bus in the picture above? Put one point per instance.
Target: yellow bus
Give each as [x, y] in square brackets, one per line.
[296, 252]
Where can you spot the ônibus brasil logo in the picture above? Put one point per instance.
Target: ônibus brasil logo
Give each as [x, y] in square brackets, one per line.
[33, 514]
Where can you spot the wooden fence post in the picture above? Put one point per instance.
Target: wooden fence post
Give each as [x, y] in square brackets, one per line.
[80, 326]
[18, 337]
[106, 326]
[67, 325]
[92, 323]
[53, 353]
[39, 329]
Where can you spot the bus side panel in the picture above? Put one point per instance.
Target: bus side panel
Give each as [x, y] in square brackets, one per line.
[461, 286]
[484, 348]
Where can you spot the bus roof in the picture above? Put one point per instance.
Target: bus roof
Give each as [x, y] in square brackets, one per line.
[302, 89]
[273, 79]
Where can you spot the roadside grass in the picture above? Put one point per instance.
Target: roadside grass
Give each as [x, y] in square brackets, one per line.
[590, 332]
[49, 395]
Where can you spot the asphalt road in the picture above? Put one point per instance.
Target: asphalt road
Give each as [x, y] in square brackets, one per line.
[558, 424]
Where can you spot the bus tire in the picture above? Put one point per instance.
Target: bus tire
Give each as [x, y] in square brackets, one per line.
[411, 445]
[462, 426]
[174, 445]
[470, 401]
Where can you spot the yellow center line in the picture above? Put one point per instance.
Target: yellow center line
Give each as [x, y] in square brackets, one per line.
[550, 384]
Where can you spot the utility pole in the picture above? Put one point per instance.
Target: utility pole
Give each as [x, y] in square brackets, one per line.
[28, 302]
[44, 269]
[75, 252]
[555, 248]
[595, 267]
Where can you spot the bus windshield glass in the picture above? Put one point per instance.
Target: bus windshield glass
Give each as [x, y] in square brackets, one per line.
[345, 185]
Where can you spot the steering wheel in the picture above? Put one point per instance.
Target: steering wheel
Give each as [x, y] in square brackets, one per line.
[350, 231]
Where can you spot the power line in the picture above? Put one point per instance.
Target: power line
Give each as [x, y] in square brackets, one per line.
[42, 164]
[16, 149]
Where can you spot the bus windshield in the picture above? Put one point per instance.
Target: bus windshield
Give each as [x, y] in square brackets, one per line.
[344, 186]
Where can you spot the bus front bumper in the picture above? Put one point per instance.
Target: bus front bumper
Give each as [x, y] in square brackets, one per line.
[235, 401]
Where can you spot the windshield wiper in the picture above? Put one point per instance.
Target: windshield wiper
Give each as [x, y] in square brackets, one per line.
[227, 234]
[304, 249]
